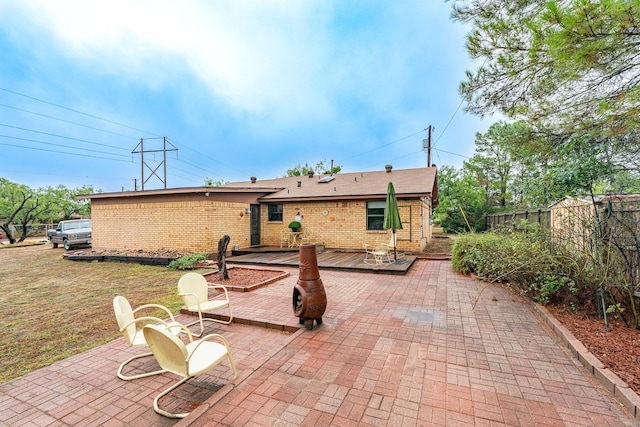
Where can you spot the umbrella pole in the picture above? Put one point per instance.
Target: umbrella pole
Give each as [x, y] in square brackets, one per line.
[393, 232]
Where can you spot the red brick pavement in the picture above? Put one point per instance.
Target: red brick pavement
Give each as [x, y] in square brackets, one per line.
[429, 348]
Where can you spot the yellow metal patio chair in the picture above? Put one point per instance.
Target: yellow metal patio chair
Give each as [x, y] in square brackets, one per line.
[131, 329]
[393, 243]
[377, 254]
[185, 360]
[306, 236]
[285, 238]
[194, 290]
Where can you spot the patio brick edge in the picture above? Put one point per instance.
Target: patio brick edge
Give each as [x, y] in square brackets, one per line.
[608, 379]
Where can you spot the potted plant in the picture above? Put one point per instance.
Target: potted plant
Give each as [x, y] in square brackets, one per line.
[295, 225]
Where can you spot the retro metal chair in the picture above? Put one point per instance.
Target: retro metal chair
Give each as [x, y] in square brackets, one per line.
[185, 360]
[377, 254]
[307, 236]
[194, 290]
[131, 328]
[393, 244]
[285, 238]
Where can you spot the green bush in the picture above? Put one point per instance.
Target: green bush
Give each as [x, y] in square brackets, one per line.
[295, 224]
[523, 257]
[187, 262]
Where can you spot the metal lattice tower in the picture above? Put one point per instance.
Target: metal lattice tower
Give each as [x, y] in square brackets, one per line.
[140, 149]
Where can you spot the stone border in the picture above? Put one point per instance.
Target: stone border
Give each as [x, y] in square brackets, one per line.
[625, 395]
[257, 285]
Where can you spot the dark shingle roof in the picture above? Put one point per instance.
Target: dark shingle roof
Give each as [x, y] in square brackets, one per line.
[419, 182]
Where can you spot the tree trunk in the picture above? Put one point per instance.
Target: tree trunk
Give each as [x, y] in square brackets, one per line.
[222, 262]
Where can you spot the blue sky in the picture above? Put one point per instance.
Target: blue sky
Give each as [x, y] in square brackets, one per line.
[240, 88]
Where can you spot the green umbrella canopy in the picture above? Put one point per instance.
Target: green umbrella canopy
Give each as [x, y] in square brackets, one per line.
[391, 215]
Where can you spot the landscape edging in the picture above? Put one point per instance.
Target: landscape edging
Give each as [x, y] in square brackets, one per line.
[608, 379]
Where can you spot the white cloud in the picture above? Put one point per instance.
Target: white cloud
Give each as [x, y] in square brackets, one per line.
[281, 61]
[263, 58]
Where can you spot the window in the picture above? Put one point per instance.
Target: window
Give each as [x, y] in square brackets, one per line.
[375, 215]
[275, 211]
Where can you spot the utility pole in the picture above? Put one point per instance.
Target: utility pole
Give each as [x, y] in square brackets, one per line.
[426, 145]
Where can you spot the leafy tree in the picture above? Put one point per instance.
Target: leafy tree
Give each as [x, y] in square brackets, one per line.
[462, 202]
[21, 206]
[62, 203]
[492, 165]
[569, 65]
[320, 168]
[209, 182]
[509, 157]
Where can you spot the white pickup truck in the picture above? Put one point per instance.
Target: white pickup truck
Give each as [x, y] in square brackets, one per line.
[71, 233]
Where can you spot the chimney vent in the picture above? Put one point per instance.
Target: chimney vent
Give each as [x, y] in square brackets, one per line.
[388, 168]
[299, 183]
[253, 179]
[310, 173]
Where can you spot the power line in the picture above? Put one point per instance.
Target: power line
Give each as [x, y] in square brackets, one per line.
[449, 152]
[66, 121]
[448, 123]
[94, 128]
[62, 152]
[75, 111]
[62, 136]
[57, 145]
[384, 145]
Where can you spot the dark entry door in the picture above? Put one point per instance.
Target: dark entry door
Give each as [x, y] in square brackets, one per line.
[255, 225]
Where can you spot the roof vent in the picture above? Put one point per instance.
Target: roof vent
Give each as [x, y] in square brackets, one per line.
[253, 179]
[388, 168]
[310, 173]
[299, 183]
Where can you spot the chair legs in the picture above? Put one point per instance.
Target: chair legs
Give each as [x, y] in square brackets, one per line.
[202, 319]
[133, 377]
[156, 406]
[160, 411]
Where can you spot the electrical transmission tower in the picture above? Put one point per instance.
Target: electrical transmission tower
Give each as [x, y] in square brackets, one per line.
[154, 171]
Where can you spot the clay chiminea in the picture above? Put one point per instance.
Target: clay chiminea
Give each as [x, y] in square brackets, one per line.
[309, 297]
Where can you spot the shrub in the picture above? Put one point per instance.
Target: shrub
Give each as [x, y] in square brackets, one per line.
[295, 225]
[187, 262]
[523, 257]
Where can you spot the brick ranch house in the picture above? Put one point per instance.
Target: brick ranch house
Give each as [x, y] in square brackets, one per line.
[341, 210]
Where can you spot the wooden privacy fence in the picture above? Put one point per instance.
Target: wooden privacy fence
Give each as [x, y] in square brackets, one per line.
[606, 228]
[541, 216]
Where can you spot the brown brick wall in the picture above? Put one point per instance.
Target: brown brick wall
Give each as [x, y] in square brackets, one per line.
[188, 223]
[193, 224]
[343, 224]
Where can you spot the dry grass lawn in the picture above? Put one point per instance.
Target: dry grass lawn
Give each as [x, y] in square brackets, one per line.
[52, 308]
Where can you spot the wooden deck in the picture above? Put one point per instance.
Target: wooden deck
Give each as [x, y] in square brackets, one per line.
[329, 259]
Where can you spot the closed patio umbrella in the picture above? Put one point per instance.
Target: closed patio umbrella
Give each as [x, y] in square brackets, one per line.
[391, 215]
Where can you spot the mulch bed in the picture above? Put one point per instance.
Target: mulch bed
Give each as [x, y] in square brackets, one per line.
[618, 348]
[243, 279]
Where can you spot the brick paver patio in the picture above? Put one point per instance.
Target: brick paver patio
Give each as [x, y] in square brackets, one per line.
[429, 348]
